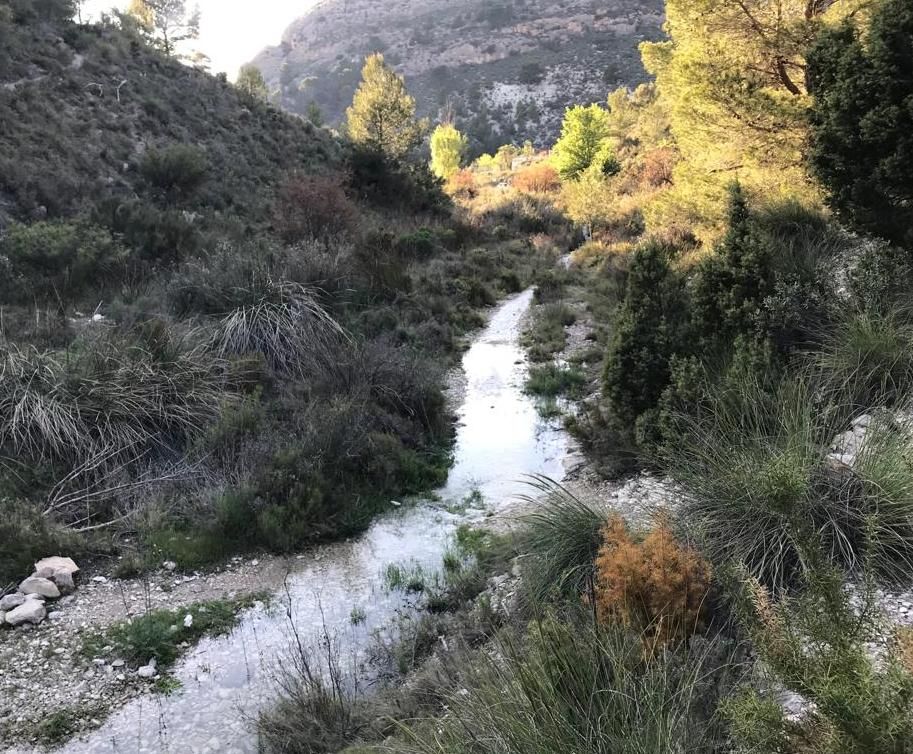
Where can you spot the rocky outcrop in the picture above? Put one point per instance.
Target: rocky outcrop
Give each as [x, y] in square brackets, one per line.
[506, 71]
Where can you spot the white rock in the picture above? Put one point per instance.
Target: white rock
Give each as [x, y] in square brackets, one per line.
[43, 587]
[31, 611]
[43, 573]
[148, 670]
[99, 579]
[64, 581]
[188, 620]
[57, 563]
[11, 600]
[169, 565]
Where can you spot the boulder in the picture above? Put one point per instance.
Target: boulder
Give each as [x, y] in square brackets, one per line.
[43, 573]
[64, 581]
[11, 601]
[42, 587]
[57, 563]
[30, 611]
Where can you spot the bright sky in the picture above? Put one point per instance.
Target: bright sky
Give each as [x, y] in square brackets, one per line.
[232, 32]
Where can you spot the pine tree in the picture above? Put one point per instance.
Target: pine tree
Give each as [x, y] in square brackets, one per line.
[382, 114]
[448, 146]
[168, 22]
[862, 122]
[251, 83]
[649, 332]
[732, 77]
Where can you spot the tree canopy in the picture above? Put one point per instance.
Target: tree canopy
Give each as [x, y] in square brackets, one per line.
[251, 82]
[382, 114]
[732, 78]
[168, 22]
[584, 141]
[448, 146]
[862, 121]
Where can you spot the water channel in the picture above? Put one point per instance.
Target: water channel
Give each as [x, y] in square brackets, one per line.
[226, 680]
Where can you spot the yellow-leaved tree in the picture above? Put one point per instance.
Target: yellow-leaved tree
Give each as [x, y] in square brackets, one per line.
[382, 114]
[448, 146]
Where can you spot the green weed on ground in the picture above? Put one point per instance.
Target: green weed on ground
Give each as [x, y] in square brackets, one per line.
[552, 380]
[161, 635]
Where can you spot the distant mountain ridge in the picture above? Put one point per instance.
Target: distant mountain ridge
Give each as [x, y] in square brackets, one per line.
[504, 70]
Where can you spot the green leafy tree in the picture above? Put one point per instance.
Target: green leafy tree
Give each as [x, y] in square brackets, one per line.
[584, 141]
[251, 83]
[862, 122]
[448, 146]
[168, 22]
[382, 114]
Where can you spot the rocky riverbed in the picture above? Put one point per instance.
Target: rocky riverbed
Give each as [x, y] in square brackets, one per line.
[43, 670]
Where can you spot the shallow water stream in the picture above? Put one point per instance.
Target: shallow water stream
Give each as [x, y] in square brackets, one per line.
[224, 681]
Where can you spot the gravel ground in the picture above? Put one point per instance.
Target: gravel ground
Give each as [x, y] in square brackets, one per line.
[42, 670]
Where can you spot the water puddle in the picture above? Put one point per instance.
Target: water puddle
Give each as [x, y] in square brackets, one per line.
[225, 681]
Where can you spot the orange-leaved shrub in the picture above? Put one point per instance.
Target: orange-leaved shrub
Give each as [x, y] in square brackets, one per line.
[462, 184]
[657, 586]
[540, 178]
[313, 206]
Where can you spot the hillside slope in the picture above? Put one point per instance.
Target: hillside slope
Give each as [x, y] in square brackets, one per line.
[79, 105]
[505, 70]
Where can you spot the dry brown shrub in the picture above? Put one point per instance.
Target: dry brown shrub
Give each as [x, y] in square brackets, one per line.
[312, 206]
[656, 586]
[462, 184]
[540, 178]
[656, 170]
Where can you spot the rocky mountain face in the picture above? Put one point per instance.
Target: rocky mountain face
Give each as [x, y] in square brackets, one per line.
[504, 70]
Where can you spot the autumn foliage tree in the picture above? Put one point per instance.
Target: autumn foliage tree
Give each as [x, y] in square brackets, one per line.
[382, 115]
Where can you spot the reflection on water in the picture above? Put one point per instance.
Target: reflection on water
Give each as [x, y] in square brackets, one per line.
[224, 681]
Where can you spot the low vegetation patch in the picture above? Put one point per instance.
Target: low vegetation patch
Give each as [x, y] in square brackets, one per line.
[552, 380]
[163, 635]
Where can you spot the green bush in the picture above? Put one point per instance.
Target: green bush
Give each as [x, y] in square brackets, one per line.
[561, 539]
[58, 261]
[158, 237]
[817, 644]
[176, 172]
[418, 245]
[867, 359]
